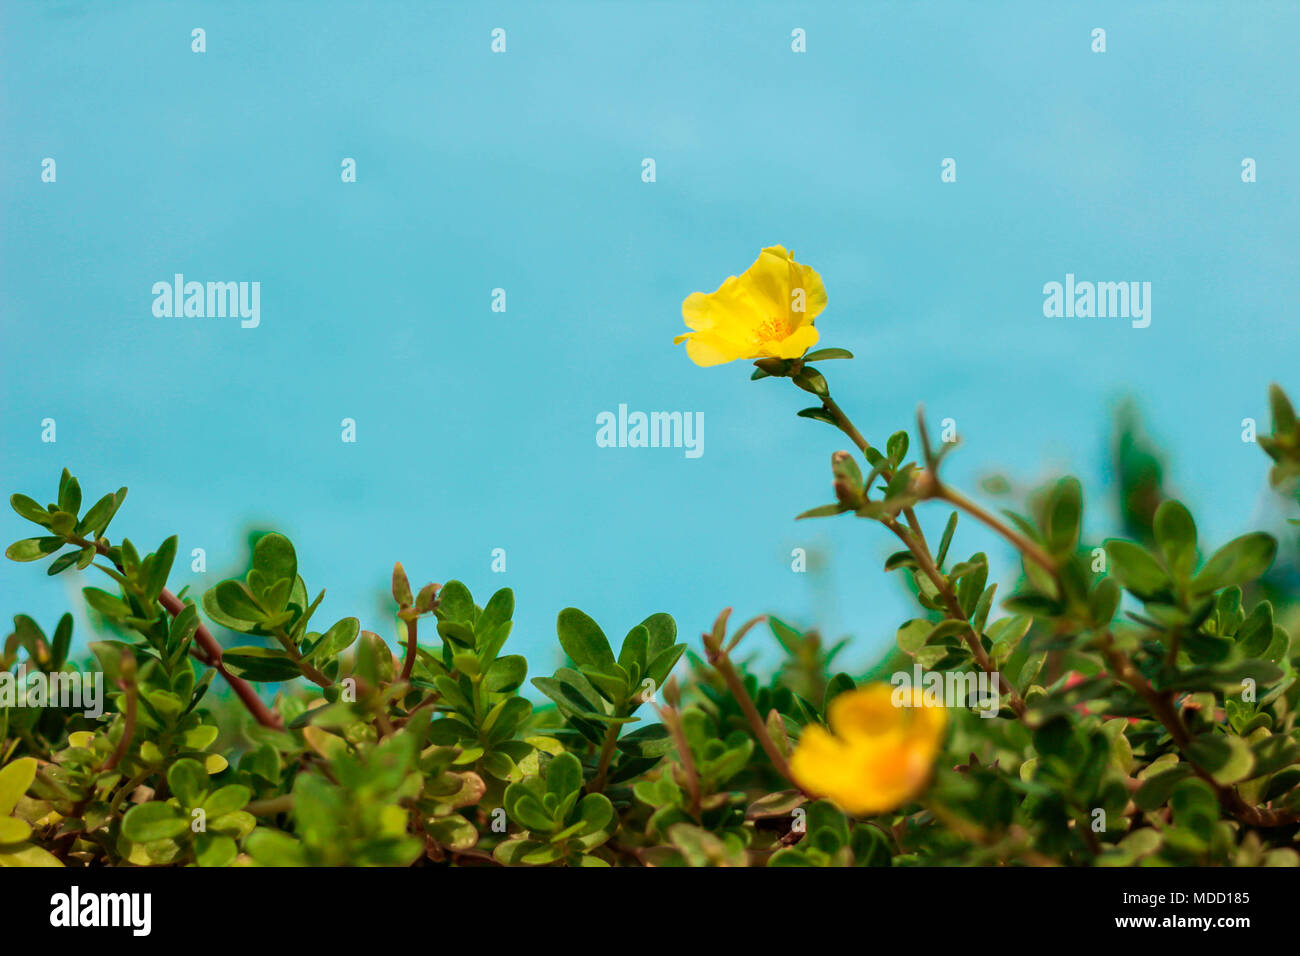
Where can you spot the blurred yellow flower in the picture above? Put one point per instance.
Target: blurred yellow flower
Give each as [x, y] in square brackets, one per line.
[766, 313]
[879, 754]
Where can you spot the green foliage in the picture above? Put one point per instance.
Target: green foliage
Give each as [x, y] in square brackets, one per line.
[1144, 711]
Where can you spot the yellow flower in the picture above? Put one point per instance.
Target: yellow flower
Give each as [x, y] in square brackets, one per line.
[766, 313]
[879, 755]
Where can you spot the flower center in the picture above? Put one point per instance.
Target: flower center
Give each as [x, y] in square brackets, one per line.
[773, 330]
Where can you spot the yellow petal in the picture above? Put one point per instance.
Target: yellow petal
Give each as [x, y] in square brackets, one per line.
[769, 280]
[731, 306]
[819, 763]
[798, 342]
[710, 348]
[767, 312]
[865, 712]
[880, 754]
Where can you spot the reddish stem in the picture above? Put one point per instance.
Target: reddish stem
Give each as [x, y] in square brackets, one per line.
[243, 690]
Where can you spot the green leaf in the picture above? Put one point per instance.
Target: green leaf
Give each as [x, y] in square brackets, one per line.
[573, 696]
[230, 605]
[335, 641]
[946, 540]
[95, 521]
[818, 414]
[1064, 516]
[63, 562]
[15, 778]
[1175, 533]
[274, 559]
[596, 815]
[1255, 633]
[1135, 569]
[274, 848]
[1227, 758]
[506, 674]
[524, 807]
[823, 511]
[583, 640]
[159, 569]
[13, 830]
[266, 664]
[63, 523]
[214, 849]
[499, 609]
[822, 355]
[1155, 790]
[652, 741]
[28, 508]
[154, 821]
[662, 664]
[811, 380]
[663, 634]
[613, 684]
[33, 549]
[1240, 560]
[896, 447]
[912, 636]
[632, 655]
[227, 799]
[504, 719]
[69, 494]
[188, 781]
[1284, 418]
[563, 775]
[455, 604]
[106, 604]
[61, 641]
[1104, 601]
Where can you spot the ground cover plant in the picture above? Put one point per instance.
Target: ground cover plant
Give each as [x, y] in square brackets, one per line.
[1132, 702]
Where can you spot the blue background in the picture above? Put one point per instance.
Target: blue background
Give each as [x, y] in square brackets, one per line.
[476, 429]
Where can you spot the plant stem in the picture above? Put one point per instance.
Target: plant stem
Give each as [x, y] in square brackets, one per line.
[128, 727]
[1163, 709]
[602, 763]
[1021, 543]
[720, 659]
[914, 539]
[127, 789]
[408, 665]
[308, 671]
[270, 807]
[845, 425]
[955, 612]
[672, 720]
[211, 648]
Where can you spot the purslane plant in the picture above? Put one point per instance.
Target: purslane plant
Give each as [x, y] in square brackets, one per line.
[1136, 704]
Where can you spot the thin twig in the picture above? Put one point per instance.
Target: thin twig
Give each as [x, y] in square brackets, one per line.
[408, 665]
[1021, 543]
[672, 720]
[211, 649]
[606, 755]
[720, 659]
[128, 727]
[955, 612]
[1163, 709]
